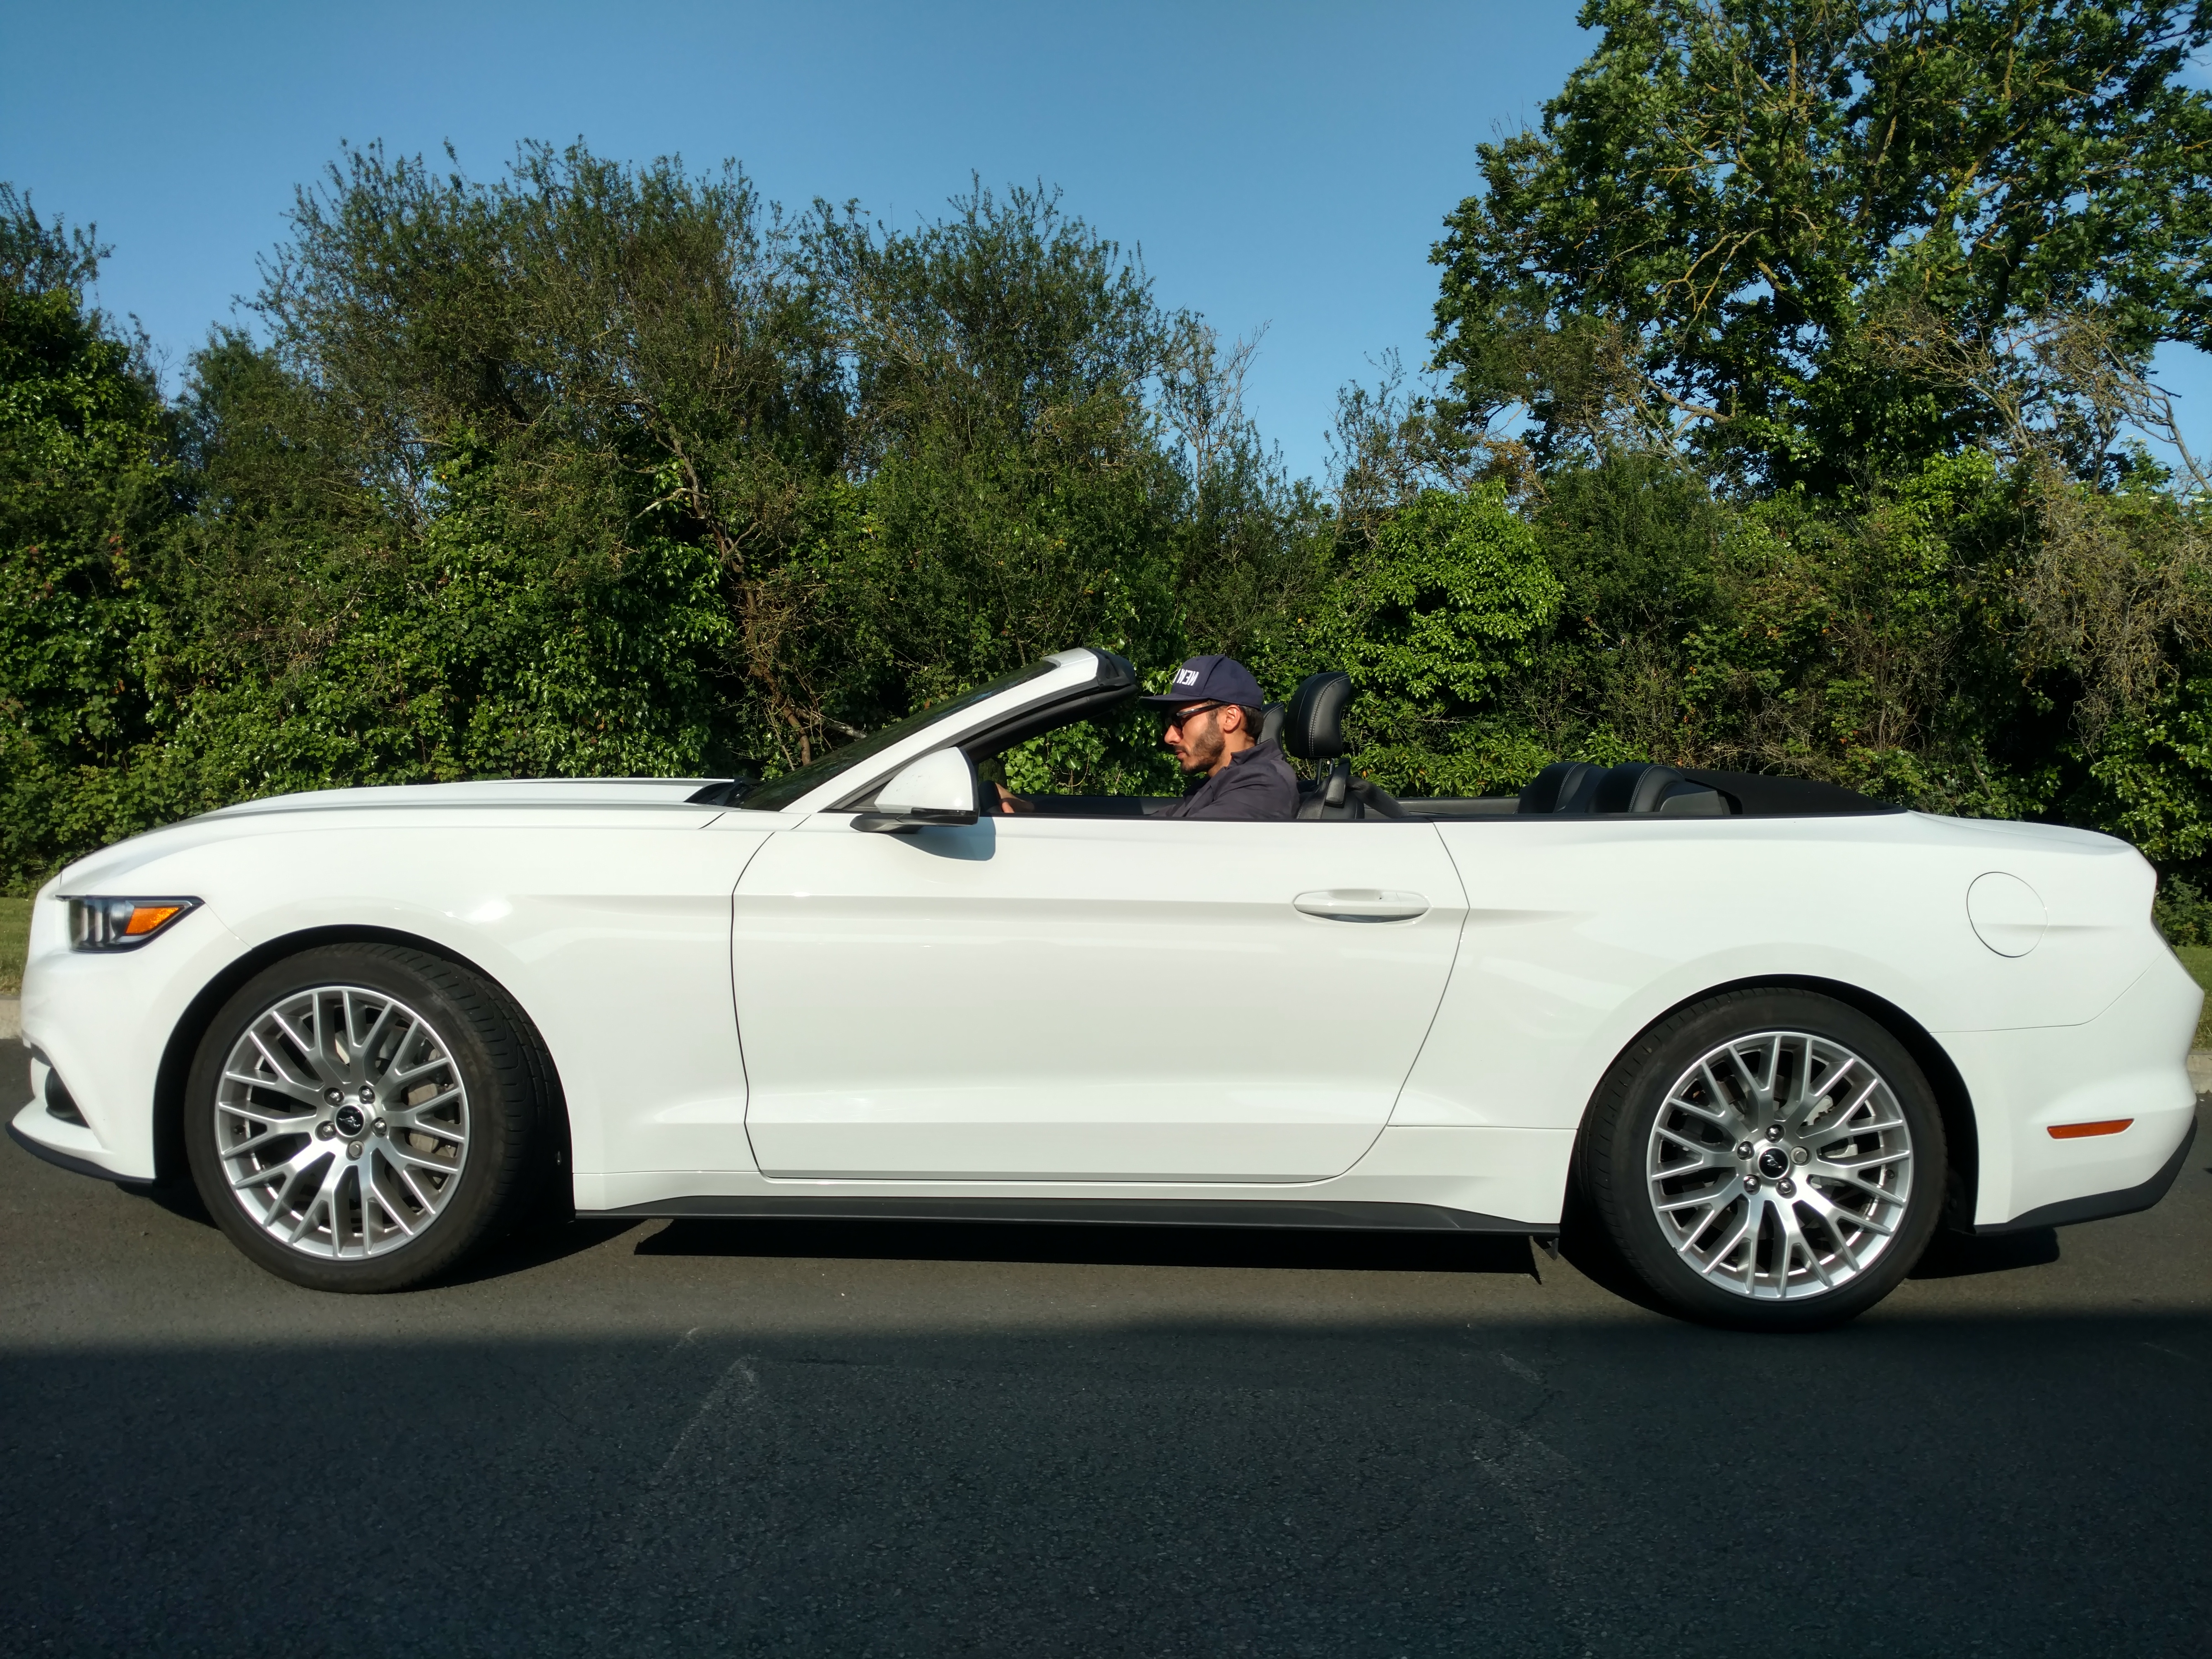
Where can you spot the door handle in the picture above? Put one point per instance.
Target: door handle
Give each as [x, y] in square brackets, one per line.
[1361, 904]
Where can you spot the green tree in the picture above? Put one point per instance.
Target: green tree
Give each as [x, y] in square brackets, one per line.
[628, 367]
[1738, 217]
[1832, 321]
[85, 497]
[1430, 615]
[599, 469]
[1009, 493]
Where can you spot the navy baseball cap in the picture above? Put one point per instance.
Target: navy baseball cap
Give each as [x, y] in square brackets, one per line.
[1211, 679]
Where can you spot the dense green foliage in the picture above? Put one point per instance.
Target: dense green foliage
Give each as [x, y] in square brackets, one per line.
[1793, 366]
[595, 470]
[1830, 324]
[84, 495]
[1737, 210]
[15, 943]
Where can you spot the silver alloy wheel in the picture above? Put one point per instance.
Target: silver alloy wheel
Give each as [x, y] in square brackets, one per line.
[1780, 1165]
[342, 1122]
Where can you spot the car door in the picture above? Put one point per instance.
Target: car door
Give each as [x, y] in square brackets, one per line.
[1034, 998]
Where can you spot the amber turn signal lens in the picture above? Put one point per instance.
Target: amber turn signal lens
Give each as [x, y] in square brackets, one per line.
[122, 924]
[2110, 1125]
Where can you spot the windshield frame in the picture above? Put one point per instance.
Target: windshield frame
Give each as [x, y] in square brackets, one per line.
[850, 770]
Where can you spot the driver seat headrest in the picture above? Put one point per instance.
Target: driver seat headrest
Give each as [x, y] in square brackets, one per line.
[1313, 727]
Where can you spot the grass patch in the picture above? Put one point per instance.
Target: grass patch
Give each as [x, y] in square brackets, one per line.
[15, 939]
[2197, 958]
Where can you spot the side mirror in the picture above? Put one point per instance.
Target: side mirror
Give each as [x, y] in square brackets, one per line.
[939, 789]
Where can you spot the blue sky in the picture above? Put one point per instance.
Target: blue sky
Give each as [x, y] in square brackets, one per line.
[1285, 165]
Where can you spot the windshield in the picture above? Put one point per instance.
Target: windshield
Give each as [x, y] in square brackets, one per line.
[779, 792]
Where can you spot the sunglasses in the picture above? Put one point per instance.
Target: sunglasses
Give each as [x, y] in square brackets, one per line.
[1181, 715]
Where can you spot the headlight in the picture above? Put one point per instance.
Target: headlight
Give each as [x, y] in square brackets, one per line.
[122, 924]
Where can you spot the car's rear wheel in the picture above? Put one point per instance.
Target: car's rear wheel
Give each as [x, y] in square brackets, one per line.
[1770, 1160]
[359, 1117]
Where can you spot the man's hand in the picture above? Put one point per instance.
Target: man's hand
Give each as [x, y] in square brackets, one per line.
[1010, 803]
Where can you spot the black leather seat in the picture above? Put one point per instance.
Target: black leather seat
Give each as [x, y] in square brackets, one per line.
[1631, 787]
[1642, 787]
[1312, 730]
[1559, 787]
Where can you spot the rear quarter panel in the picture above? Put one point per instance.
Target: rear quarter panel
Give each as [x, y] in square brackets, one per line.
[1582, 932]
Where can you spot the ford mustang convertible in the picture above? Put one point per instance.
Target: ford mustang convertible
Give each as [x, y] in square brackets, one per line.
[1767, 1035]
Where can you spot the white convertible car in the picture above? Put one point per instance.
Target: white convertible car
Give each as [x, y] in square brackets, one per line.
[1774, 1033]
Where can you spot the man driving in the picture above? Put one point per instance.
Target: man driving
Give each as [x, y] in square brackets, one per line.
[1213, 725]
[1213, 717]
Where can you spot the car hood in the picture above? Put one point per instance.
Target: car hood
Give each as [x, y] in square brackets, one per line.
[416, 802]
[494, 792]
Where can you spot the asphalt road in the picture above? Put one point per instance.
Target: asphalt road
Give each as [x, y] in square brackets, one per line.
[823, 1438]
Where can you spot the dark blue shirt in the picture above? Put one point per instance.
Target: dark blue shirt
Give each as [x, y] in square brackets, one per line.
[1257, 784]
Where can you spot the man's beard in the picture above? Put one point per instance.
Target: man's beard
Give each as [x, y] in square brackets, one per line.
[1206, 747]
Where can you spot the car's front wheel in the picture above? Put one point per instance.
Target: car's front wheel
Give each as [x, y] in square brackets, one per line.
[1770, 1160]
[359, 1117]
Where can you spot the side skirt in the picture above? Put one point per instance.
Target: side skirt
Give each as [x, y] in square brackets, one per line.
[1111, 1212]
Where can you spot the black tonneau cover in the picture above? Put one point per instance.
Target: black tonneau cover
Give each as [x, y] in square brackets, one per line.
[1757, 795]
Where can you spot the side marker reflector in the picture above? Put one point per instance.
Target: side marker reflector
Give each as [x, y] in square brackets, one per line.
[2110, 1125]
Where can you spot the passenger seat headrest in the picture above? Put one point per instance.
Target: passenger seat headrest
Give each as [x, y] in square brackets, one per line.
[1635, 786]
[1313, 727]
[1641, 786]
[1554, 788]
[1578, 786]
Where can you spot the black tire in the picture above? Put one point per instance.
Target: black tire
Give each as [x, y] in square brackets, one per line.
[1624, 1188]
[507, 1140]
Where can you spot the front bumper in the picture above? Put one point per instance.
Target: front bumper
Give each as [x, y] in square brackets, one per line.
[105, 1021]
[44, 1130]
[72, 1148]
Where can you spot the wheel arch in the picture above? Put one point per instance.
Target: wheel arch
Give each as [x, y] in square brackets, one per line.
[1962, 1143]
[177, 1054]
